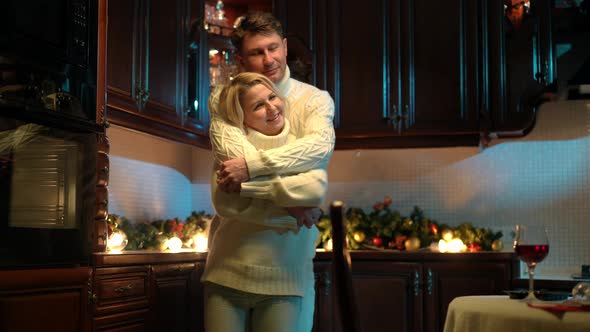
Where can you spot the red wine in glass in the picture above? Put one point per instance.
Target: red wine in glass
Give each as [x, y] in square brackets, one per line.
[531, 254]
[532, 246]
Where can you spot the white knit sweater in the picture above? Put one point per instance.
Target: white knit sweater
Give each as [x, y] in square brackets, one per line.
[254, 249]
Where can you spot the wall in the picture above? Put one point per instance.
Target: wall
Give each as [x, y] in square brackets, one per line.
[541, 178]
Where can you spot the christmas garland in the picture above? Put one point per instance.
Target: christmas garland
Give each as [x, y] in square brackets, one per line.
[154, 235]
[385, 228]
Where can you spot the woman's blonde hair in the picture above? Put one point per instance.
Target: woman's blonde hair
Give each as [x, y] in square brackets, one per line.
[229, 100]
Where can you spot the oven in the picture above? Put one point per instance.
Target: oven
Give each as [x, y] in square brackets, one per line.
[48, 132]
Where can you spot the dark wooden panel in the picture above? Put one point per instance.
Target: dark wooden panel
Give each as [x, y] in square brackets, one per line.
[375, 283]
[173, 299]
[162, 71]
[442, 84]
[120, 41]
[133, 321]
[39, 300]
[363, 70]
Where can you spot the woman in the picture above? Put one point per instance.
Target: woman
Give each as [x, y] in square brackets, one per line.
[259, 272]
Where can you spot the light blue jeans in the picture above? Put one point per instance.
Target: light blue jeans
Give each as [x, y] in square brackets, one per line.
[230, 310]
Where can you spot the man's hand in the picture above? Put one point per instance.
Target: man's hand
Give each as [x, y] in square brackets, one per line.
[231, 174]
[307, 216]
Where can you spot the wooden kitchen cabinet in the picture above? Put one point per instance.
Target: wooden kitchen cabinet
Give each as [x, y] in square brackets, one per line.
[148, 291]
[388, 295]
[443, 281]
[52, 299]
[408, 73]
[521, 65]
[411, 291]
[178, 296]
[120, 298]
[146, 65]
[402, 291]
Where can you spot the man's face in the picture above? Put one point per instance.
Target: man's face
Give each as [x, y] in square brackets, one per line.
[264, 54]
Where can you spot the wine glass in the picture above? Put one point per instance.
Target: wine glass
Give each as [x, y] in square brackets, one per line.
[531, 246]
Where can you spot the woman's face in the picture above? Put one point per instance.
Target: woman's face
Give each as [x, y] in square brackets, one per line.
[263, 110]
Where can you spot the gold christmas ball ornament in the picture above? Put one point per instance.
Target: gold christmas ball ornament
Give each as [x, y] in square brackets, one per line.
[497, 245]
[359, 236]
[412, 243]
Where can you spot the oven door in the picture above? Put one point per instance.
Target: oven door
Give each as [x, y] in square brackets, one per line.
[47, 194]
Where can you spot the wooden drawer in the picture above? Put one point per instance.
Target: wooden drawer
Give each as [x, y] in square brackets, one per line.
[173, 270]
[121, 288]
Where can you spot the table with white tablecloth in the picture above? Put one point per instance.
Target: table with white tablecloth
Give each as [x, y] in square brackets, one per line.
[500, 313]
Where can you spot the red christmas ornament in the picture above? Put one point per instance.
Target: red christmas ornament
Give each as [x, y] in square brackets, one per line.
[377, 241]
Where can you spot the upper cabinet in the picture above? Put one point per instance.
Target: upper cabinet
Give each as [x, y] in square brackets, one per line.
[403, 73]
[408, 73]
[521, 63]
[146, 67]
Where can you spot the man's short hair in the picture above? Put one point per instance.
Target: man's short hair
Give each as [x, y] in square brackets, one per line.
[255, 22]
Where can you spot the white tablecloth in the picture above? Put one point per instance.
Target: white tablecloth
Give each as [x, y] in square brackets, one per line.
[501, 314]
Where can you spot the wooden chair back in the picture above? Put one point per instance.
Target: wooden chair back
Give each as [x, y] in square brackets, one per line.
[341, 271]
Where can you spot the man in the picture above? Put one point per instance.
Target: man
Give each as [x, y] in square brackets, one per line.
[262, 48]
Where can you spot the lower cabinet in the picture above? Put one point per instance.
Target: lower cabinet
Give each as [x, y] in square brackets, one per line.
[395, 291]
[44, 299]
[411, 291]
[177, 297]
[148, 292]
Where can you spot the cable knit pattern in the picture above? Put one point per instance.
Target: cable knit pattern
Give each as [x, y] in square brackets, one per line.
[311, 114]
[254, 248]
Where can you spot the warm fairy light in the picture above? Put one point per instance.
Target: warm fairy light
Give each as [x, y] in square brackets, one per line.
[174, 244]
[200, 242]
[454, 245]
[328, 245]
[447, 235]
[117, 241]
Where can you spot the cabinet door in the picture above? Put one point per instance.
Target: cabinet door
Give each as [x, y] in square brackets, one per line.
[440, 63]
[44, 300]
[407, 73]
[175, 298]
[521, 63]
[122, 55]
[366, 44]
[388, 295]
[147, 68]
[446, 280]
[162, 82]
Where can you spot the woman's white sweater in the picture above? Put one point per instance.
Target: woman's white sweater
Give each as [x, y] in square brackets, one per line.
[257, 247]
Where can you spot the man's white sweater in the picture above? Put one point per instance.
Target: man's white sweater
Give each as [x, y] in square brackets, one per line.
[256, 247]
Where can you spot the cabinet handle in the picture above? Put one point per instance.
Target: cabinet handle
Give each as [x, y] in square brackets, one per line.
[105, 170]
[416, 284]
[92, 298]
[124, 289]
[323, 282]
[429, 282]
[145, 97]
[141, 97]
[405, 116]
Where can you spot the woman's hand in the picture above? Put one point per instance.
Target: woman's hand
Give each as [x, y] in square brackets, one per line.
[307, 216]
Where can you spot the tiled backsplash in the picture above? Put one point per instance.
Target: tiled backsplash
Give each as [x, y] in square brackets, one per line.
[541, 178]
